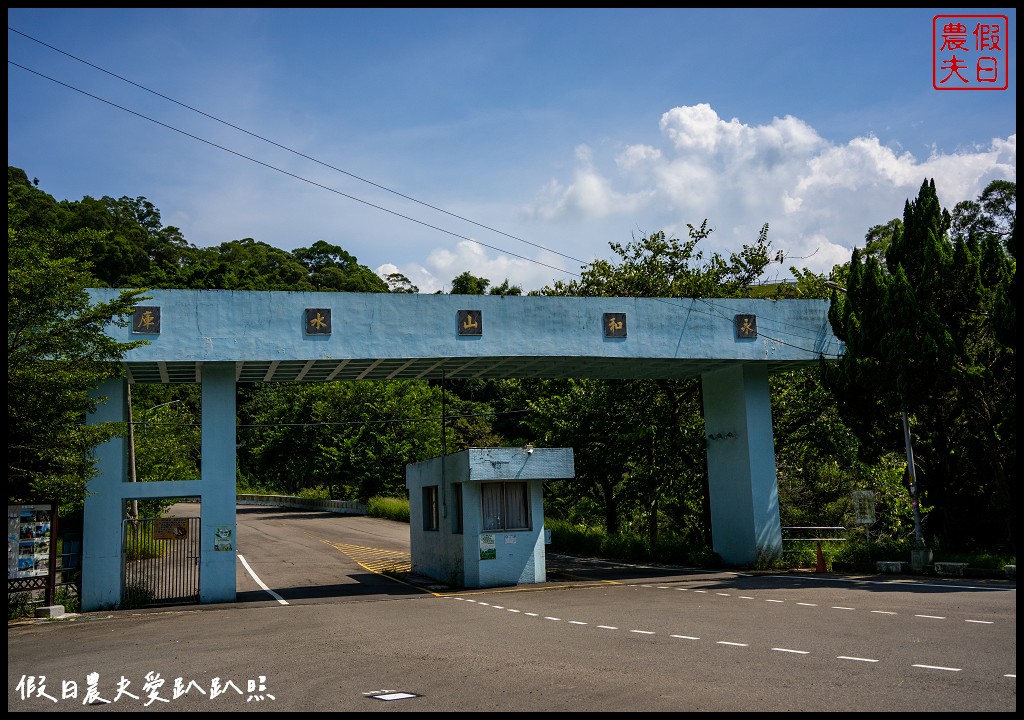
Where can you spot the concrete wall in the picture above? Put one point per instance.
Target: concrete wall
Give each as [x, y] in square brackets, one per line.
[745, 524]
[438, 554]
[674, 338]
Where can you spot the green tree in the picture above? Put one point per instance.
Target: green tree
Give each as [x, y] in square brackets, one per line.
[354, 438]
[469, 284]
[661, 266]
[651, 462]
[255, 265]
[920, 339]
[399, 283]
[167, 432]
[506, 288]
[636, 459]
[57, 351]
[331, 269]
[36, 209]
[815, 453]
[877, 239]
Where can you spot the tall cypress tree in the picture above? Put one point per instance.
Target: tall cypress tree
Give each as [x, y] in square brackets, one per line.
[919, 339]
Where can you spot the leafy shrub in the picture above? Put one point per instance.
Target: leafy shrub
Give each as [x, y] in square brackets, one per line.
[68, 598]
[20, 605]
[574, 539]
[588, 541]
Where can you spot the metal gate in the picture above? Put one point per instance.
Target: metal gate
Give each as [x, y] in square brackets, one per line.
[160, 557]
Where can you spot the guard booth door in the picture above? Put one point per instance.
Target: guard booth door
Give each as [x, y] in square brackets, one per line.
[160, 557]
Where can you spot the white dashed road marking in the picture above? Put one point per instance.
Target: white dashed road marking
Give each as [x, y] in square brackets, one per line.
[725, 642]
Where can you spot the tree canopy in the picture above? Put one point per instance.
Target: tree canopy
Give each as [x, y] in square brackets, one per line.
[57, 351]
[922, 324]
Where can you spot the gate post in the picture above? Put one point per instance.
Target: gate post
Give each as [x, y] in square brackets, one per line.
[101, 529]
[217, 509]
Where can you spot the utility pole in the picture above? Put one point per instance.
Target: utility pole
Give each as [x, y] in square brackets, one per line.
[133, 514]
[912, 477]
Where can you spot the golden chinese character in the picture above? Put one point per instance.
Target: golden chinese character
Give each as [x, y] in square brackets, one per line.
[318, 322]
[146, 320]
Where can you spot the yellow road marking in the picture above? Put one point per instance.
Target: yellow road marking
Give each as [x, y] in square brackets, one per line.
[391, 563]
[376, 560]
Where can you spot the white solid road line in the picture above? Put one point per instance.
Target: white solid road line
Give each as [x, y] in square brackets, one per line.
[261, 583]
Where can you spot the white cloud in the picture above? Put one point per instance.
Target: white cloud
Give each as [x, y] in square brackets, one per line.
[590, 195]
[818, 198]
[444, 265]
[638, 156]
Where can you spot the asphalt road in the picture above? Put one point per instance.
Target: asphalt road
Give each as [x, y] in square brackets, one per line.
[327, 618]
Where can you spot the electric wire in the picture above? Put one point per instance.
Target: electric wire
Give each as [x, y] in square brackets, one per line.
[289, 174]
[291, 150]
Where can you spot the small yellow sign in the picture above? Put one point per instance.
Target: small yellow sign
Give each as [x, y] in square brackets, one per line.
[170, 528]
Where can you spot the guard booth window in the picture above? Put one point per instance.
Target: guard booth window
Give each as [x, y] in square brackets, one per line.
[505, 506]
[431, 518]
[457, 502]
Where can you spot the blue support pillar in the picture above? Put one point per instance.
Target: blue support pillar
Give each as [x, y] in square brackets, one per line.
[217, 511]
[745, 524]
[104, 506]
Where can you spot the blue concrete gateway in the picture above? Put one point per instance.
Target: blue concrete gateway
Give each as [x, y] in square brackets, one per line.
[219, 338]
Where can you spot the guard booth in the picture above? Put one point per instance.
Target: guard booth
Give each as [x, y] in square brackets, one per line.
[476, 517]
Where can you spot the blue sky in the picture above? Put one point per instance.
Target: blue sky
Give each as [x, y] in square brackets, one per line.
[513, 143]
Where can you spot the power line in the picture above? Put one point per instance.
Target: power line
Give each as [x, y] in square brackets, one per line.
[285, 172]
[295, 152]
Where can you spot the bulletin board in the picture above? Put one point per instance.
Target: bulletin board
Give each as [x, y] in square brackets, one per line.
[32, 548]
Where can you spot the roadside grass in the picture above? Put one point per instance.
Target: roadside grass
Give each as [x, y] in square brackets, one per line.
[590, 541]
[21, 605]
[389, 508]
[140, 543]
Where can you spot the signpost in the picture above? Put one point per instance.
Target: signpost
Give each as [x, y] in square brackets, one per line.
[864, 509]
